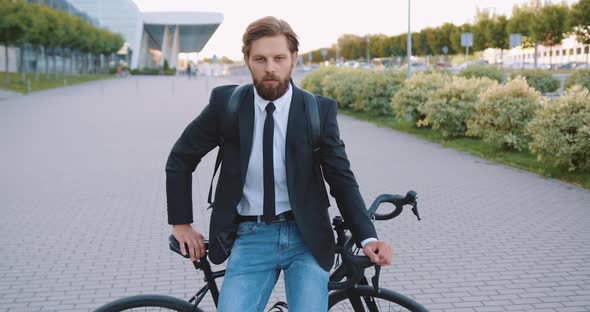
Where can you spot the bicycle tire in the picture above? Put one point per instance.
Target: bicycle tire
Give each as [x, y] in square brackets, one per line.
[385, 300]
[157, 302]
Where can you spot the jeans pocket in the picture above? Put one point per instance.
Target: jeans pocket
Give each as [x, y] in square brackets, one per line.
[246, 228]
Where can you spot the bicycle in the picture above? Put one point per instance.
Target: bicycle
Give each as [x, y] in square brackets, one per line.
[349, 287]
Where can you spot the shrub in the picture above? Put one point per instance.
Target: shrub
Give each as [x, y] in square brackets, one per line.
[479, 71]
[560, 130]
[377, 91]
[541, 80]
[312, 82]
[579, 77]
[452, 106]
[410, 99]
[503, 113]
[345, 86]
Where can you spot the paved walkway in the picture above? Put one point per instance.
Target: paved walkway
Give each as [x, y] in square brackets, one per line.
[83, 208]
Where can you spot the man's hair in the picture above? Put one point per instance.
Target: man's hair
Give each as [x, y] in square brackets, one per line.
[269, 26]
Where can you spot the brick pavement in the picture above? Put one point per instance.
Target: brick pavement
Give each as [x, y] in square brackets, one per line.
[83, 206]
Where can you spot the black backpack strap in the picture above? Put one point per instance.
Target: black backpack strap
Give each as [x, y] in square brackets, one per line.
[311, 105]
[228, 121]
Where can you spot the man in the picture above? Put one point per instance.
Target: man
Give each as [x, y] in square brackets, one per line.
[270, 185]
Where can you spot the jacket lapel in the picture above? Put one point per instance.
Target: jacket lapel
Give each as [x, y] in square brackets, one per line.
[295, 131]
[246, 128]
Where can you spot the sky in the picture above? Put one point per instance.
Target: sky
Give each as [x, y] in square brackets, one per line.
[319, 23]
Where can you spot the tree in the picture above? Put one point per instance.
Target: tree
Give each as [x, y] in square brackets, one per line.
[481, 30]
[9, 30]
[38, 31]
[499, 34]
[580, 22]
[550, 25]
[520, 23]
[456, 36]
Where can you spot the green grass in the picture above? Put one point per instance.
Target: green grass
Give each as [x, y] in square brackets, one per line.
[477, 147]
[17, 86]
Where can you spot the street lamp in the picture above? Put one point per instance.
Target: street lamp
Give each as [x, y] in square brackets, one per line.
[409, 75]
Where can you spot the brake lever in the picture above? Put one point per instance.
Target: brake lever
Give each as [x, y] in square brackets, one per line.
[415, 210]
[375, 279]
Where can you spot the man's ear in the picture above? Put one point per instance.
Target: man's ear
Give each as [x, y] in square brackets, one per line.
[294, 55]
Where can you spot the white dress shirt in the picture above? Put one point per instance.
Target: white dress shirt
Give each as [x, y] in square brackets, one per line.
[252, 200]
[251, 203]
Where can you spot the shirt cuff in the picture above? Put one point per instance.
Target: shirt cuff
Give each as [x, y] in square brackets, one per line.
[368, 240]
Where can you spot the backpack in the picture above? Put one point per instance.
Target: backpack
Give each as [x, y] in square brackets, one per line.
[230, 118]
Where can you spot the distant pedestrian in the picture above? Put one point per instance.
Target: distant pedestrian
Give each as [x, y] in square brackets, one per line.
[188, 70]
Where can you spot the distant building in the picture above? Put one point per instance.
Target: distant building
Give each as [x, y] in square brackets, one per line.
[570, 53]
[151, 38]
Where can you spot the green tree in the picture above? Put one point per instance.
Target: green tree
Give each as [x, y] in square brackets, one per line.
[580, 22]
[499, 34]
[456, 36]
[481, 30]
[37, 32]
[520, 23]
[550, 25]
[10, 30]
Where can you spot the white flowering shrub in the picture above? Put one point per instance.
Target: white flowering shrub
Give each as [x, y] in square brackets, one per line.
[503, 113]
[451, 107]
[541, 80]
[560, 130]
[345, 86]
[579, 77]
[378, 90]
[410, 99]
[312, 82]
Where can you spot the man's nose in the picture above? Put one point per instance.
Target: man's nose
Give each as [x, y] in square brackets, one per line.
[271, 66]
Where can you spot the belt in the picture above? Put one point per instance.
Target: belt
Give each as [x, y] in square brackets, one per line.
[285, 216]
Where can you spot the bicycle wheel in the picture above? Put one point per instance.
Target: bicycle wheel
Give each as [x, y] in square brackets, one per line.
[148, 303]
[365, 298]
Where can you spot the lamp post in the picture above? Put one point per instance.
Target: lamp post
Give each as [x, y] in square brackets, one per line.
[409, 52]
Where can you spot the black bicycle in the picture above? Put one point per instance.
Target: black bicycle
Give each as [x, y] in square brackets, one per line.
[349, 287]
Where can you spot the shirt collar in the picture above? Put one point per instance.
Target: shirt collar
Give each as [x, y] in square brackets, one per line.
[280, 103]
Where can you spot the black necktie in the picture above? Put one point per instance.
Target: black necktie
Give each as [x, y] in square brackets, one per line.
[268, 166]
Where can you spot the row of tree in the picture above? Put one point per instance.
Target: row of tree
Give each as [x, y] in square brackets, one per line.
[53, 32]
[546, 25]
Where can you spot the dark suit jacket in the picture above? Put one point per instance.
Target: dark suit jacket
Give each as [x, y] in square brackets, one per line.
[307, 191]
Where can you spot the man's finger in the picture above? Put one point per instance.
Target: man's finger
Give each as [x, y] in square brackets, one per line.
[371, 254]
[182, 249]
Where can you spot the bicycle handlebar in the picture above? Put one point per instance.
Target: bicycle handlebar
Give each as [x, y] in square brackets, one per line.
[398, 201]
[353, 269]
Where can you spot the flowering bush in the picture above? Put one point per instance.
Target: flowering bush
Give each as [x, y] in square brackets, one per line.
[451, 107]
[312, 82]
[479, 71]
[503, 113]
[541, 80]
[377, 91]
[410, 99]
[560, 130]
[345, 86]
[580, 77]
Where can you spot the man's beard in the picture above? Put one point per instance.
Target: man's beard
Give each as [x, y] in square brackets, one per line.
[272, 93]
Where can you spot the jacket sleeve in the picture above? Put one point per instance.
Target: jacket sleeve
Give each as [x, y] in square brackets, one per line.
[199, 137]
[343, 185]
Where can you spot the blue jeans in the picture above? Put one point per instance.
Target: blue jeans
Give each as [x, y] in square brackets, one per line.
[259, 254]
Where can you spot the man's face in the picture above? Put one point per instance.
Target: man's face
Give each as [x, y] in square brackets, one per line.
[270, 64]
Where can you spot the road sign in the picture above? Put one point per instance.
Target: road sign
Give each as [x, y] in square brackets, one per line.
[467, 39]
[324, 52]
[445, 50]
[515, 40]
[309, 57]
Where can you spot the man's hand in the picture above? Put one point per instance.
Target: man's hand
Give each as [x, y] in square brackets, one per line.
[379, 252]
[185, 234]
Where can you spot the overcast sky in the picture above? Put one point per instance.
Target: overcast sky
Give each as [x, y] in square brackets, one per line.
[319, 23]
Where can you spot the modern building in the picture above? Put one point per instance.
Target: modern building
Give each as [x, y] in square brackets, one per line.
[152, 37]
